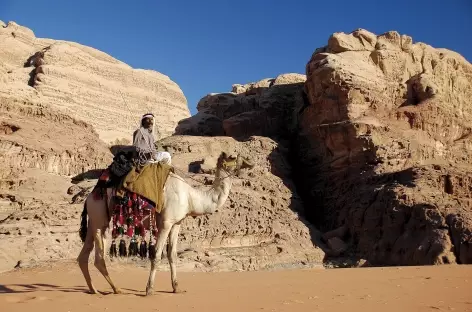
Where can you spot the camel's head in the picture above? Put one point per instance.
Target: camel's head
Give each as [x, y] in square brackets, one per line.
[233, 164]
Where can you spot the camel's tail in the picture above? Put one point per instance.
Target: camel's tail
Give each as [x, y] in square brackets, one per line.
[83, 223]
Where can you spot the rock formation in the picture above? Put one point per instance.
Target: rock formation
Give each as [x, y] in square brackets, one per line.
[376, 140]
[37, 223]
[385, 147]
[87, 84]
[261, 226]
[34, 136]
[380, 144]
[60, 104]
[45, 138]
[264, 108]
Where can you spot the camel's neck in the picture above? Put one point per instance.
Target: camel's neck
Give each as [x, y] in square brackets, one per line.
[210, 201]
[221, 187]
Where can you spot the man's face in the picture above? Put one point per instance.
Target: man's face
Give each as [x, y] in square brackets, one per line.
[148, 122]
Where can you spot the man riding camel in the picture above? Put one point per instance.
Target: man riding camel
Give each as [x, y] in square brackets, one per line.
[143, 140]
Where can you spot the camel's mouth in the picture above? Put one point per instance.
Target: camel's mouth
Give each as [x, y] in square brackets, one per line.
[243, 163]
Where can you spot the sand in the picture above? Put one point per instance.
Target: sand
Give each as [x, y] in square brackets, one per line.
[60, 287]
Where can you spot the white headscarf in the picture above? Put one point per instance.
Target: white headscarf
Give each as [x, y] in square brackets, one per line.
[148, 115]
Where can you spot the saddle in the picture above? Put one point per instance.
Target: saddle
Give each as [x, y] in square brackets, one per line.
[147, 181]
[137, 197]
[112, 176]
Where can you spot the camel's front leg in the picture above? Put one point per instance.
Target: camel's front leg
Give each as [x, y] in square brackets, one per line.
[100, 259]
[162, 234]
[172, 256]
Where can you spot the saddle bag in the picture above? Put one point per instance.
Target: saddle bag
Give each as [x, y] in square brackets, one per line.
[121, 165]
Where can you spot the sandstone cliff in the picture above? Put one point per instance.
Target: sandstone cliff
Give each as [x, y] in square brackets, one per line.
[60, 104]
[376, 138]
[47, 137]
[385, 147]
[265, 108]
[259, 227]
[380, 144]
[87, 84]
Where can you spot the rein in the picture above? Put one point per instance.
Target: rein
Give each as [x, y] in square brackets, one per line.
[225, 167]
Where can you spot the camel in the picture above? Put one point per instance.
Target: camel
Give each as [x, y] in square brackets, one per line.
[180, 200]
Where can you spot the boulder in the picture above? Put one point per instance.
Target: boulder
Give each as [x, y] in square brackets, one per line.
[265, 108]
[200, 124]
[337, 246]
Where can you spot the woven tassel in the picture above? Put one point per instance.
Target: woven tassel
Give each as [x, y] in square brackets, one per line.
[122, 248]
[152, 251]
[133, 248]
[143, 249]
[136, 249]
[130, 248]
[113, 249]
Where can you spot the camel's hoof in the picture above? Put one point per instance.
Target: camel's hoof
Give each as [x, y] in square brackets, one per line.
[149, 291]
[93, 291]
[179, 291]
[118, 291]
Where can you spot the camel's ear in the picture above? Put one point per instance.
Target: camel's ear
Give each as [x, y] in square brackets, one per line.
[221, 158]
[223, 155]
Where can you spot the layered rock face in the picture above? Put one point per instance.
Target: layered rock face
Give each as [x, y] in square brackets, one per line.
[37, 222]
[379, 139]
[385, 147]
[60, 104]
[260, 226]
[33, 136]
[263, 117]
[264, 108]
[87, 84]
[376, 137]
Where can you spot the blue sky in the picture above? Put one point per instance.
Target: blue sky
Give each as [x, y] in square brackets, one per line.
[206, 46]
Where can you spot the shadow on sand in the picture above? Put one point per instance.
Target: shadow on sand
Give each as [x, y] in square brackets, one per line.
[38, 287]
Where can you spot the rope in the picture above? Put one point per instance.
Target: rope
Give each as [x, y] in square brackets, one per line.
[129, 111]
[190, 177]
[185, 174]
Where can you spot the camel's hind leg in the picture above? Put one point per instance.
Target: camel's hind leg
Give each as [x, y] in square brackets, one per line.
[100, 258]
[83, 259]
[172, 256]
[162, 234]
